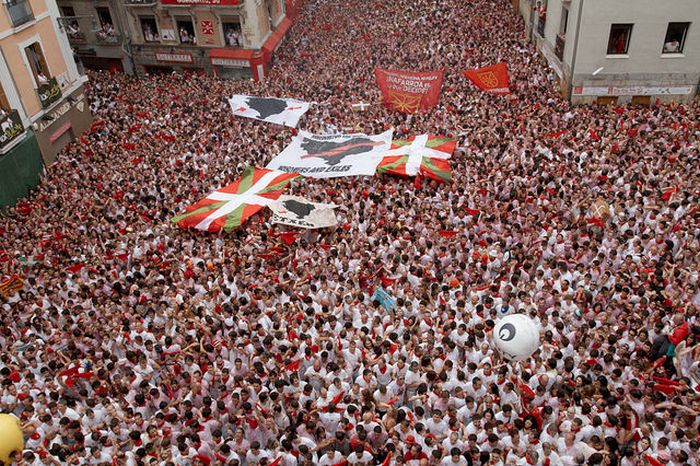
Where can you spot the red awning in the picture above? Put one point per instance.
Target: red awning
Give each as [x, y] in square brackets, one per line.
[276, 37]
[231, 53]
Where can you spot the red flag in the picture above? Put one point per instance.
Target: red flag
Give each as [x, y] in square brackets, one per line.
[659, 362]
[447, 233]
[386, 281]
[289, 237]
[409, 91]
[293, 366]
[557, 134]
[594, 135]
[666, 389]
[469, 211]
[204, 459]
[75, 268]
[493, 79]
[596, 221]
[668, 192]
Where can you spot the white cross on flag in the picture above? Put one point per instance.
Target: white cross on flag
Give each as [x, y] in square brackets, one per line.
[229, 207]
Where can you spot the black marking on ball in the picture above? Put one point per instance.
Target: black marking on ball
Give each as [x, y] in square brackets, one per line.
[506, 332]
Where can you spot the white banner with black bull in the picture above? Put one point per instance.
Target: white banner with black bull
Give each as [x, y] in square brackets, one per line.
[319, 156]
[270, 109]
[296, 211]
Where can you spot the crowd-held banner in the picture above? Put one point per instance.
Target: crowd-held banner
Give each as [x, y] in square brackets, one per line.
[493, 79]
[270, 109]
[409, 91]
[320, 156]
[229, 207]
[298, 212]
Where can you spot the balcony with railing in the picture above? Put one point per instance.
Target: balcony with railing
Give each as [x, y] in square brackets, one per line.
[560, 42]
[49, 92]
[107, 37]
[19, 11]
[76, 37]
[11, 127]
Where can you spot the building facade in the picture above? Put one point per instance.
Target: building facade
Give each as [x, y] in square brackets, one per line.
[42, 101]
[95, 30]
[626, 51]
[229, 38]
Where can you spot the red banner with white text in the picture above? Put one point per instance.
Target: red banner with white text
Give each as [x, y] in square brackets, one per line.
[410, 91]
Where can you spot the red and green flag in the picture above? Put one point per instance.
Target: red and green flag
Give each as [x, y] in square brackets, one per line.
[229, 207]
[420, 156]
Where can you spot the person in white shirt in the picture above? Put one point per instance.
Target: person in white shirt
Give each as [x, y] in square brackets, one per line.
[360, 456]
[455, 458]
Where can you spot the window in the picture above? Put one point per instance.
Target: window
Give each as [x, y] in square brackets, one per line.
[675, 37]
[619, 41]
[20, 12]
[185, 30]
[232, 31]
[106, 31]
[149, 28]
[37, 62]
[564, 21]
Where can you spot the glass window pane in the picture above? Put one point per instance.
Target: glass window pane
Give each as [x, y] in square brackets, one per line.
[675, 37]
[618, 43]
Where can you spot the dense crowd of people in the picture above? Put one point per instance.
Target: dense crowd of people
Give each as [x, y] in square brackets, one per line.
[134, 342]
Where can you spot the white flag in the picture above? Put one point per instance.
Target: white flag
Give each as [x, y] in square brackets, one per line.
[299, 212]
[273, 110]
[333, 156]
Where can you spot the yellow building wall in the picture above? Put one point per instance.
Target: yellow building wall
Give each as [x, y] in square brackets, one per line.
[14, 54]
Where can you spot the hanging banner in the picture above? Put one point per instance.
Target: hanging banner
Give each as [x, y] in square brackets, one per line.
[409, 91]
[298, 212]
[333, 156]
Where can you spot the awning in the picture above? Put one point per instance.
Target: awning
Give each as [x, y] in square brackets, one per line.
[231, 53]
[276, 37]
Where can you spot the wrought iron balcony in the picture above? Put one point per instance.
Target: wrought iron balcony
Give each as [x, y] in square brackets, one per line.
[76, 37]
[106, 38]
[11, 127]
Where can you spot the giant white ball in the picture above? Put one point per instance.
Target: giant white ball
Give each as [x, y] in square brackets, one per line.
[516, 336]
